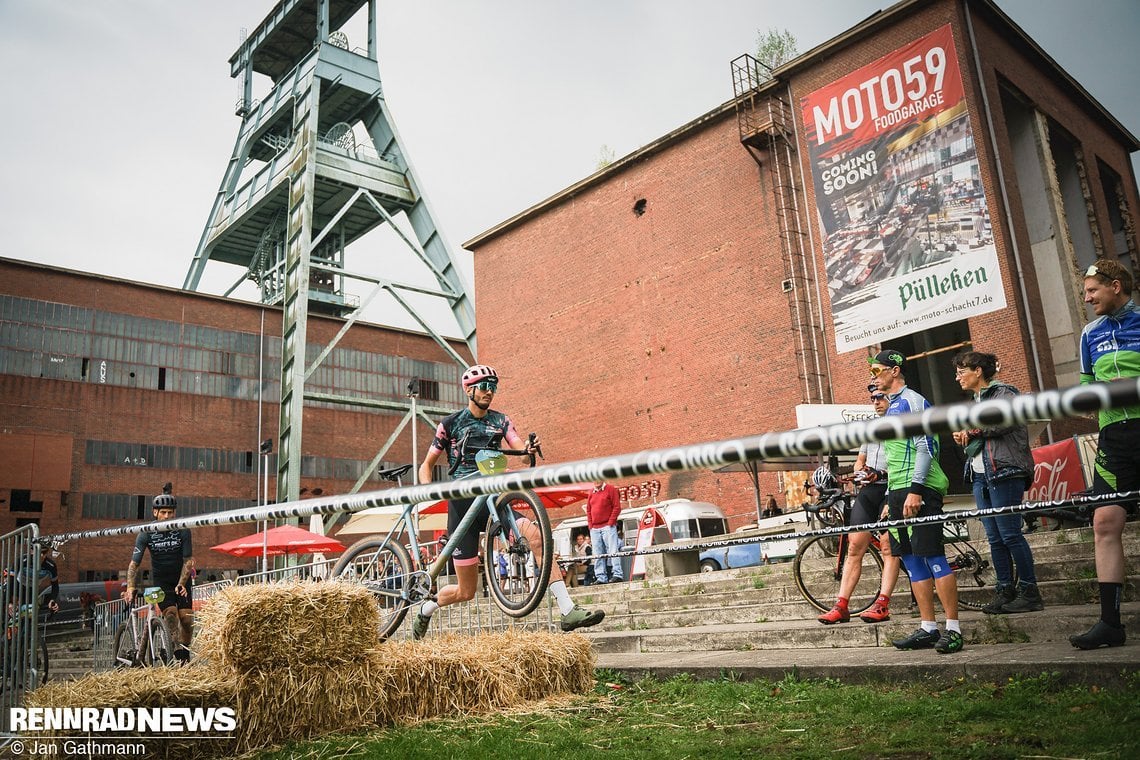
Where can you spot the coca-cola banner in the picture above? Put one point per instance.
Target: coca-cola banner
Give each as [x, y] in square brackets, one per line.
[1057, 472]
[906, 229]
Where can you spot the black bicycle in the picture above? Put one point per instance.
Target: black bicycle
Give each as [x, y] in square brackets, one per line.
[818, 566]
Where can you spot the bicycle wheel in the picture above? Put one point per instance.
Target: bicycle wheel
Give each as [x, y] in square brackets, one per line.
[124, 650]
[974, 573]
[528, 574]
[818, 570]
[385, 569]
[160, 651]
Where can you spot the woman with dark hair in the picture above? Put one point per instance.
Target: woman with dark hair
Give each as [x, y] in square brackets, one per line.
[1000, 466]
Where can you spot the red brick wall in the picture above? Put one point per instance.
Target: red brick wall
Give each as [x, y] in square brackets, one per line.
[616, 332]
[35, 409]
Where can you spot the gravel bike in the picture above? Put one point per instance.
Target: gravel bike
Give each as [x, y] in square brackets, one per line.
[818, 565]
[390, 566]
[25, 617]
[142, 639]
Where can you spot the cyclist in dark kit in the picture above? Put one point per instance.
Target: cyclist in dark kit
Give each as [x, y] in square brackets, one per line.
[171, 561]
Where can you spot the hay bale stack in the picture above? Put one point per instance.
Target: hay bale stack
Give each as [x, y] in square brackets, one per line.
[299, 660]
[274, 625]
[196, 686]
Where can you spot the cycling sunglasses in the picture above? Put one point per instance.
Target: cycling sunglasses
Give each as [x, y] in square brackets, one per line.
[486, 385]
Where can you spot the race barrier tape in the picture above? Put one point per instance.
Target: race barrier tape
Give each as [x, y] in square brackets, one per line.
[1069, 402]
[956, 515]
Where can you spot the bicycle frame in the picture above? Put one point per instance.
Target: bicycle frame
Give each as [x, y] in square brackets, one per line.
[143, 638]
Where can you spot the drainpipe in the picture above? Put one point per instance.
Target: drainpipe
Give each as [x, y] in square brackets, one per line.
[1005, 202]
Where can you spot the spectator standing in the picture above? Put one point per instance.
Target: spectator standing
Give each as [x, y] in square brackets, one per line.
[915, 487]
[602, 510]
[870, 506]
[1110, 350]
[1000, 466]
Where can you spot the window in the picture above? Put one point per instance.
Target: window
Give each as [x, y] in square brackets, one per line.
[22, 502]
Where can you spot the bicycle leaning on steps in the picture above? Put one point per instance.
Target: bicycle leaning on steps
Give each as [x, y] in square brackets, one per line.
[390, 566]
[818, 565]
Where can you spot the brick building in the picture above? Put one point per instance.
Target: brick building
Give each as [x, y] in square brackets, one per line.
[110, 388]
[927, 180]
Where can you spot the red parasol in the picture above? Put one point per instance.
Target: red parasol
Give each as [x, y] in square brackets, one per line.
[286, 539]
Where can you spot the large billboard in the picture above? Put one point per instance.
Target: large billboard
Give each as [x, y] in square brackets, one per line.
[906, 228]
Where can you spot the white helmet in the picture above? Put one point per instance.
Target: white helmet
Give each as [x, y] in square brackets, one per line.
[824, 479]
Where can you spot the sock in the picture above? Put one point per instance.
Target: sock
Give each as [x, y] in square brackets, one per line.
[1110, 603]
[929, 625]
[883, 599]
[562, 596]
[953, 625]
[841, 602]
[428, 609]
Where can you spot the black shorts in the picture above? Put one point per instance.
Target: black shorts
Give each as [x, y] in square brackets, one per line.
[919, 540]
[468, 546]
[1117, 466]
[869, 503]
[173, 599]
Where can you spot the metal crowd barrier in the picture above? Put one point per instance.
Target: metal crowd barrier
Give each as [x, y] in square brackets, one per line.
[19, 608]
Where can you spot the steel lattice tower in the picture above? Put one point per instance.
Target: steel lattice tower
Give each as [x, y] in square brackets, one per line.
[316, 192]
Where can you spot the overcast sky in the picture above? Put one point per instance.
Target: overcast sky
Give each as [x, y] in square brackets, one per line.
[118, 114]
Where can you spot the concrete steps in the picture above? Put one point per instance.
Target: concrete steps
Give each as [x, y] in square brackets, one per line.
[760, 609]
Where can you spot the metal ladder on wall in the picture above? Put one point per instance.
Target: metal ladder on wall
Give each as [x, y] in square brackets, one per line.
[767, 131]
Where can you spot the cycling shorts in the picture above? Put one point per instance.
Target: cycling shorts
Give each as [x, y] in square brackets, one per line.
[467, 550]
[172, 598]
[869, 503]
[1117, 466]
[920, 540]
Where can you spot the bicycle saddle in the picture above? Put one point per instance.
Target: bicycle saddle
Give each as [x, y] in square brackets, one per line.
[394, 474]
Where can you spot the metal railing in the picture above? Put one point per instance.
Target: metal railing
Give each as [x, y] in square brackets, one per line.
[21, 641]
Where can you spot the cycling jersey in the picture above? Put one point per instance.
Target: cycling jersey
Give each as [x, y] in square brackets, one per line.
[913, 461]
[478, 432]
[1110, 349]
[168, 550]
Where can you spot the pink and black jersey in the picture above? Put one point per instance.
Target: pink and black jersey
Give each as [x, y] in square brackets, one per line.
[462, 435]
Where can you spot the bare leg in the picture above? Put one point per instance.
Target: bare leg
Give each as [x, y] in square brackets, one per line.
[891, 566]
[1108, 530]
[453, 593]
[853, 565]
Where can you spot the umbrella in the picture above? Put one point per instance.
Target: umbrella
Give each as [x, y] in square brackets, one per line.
[286, 539]
[433, 514]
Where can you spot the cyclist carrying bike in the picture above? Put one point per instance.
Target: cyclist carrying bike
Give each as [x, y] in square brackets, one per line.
[871, 472]
[461, 435]
[171, 560]
[915, 487]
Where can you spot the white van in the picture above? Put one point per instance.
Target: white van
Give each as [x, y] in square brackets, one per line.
[686, 519]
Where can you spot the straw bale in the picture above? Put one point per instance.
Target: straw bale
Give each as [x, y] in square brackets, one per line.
[197, 686]
[460, 674]
[248, 628]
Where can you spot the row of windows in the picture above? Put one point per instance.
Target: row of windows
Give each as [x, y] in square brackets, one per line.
[137, 507]
[39, 339]
[123, 454]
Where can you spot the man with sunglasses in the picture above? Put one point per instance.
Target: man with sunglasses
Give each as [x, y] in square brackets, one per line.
[871, 473]
[1110, 350]
[915, 487]
[463, 435]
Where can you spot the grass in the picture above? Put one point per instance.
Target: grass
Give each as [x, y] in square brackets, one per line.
[729, 718]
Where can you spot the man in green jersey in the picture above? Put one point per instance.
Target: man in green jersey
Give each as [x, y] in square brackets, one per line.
[915, 487]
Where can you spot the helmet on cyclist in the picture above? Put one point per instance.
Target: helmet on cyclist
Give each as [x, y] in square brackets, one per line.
[165, 501]
[478, 372]
[824, 479]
